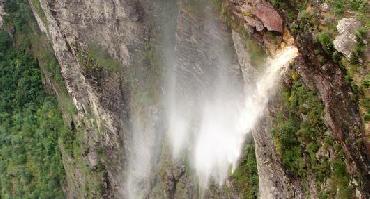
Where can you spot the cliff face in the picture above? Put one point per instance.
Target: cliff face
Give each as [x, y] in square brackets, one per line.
[101, 93]
[111, 52]
[318, 70]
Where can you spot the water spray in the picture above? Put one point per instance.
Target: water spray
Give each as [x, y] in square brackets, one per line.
[224, 125]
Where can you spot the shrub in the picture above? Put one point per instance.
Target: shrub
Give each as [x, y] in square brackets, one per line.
[325, 40]
[299, 132]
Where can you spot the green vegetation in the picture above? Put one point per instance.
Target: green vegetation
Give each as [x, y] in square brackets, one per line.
[340, 7]
[97, 63]
[326, 42]
[37, 5]
[30, 125]
[245, 177]
[102, 58]
[322, 27]
[34, 130]
[28, 37]
[366, 104]
[30, 121]
[304, 143]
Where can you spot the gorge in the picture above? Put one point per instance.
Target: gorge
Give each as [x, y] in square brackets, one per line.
[184, 99]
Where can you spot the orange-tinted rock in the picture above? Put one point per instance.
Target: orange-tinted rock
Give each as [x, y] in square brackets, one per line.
[269, 17]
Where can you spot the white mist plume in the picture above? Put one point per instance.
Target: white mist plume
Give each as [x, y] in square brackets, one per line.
[216, 143]
[224, 125]
[143, 146]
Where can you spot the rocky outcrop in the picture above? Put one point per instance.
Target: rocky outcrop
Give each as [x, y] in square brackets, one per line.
[342, 114]
[117, 107]
[100, 96]
[346, 41]
[269, 17]
[341, 110]
[248, 70]
[256, 14]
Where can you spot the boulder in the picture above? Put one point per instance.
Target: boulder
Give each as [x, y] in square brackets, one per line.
[324, 7]
[257, 14]
[270, 18]
[345, 42]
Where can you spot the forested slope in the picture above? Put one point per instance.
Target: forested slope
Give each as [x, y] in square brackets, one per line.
[30, 120]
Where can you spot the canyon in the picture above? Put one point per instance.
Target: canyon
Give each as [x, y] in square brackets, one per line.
[204, 99]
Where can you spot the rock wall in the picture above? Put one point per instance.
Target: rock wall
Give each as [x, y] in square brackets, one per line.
[100, 96]
[341, 109]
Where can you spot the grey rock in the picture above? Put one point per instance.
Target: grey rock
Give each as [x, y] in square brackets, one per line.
[257, 14]
[324, 7]
[345, 42]
[93, 159]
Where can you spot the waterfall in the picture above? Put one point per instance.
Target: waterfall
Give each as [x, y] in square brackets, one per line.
[223, 127]
[208, 109]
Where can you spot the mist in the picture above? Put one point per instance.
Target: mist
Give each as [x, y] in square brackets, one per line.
[208, 108]
[225, 124]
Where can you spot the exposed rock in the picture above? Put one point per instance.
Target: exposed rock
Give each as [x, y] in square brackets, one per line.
[108, 101]
[345, 42]
[269, 17]
[102, 105]
[273, 181]
[244, 59]
[254, 23]
[341, 113]
[93, 159]
[256, 14]
[200, 45]
[324, 7]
